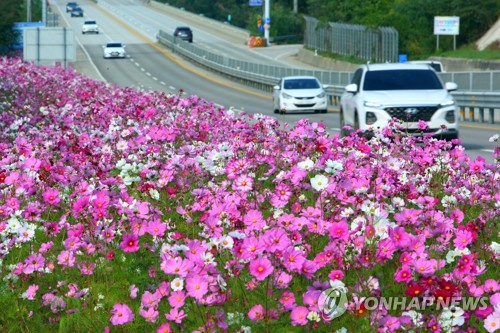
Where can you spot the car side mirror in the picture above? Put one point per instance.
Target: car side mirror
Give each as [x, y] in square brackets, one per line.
[352, 88]
[451, 86]
[276, 87]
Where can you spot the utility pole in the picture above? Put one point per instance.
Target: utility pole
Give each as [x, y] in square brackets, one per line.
[295, 6]
[44, 11]
[267, 19]
[28, 11]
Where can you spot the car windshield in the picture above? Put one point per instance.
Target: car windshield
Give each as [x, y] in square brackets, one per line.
[114, 45]
[89, 22]
[301, 84]
[408, 79]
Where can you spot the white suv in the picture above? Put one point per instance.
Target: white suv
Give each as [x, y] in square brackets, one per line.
[409, 92]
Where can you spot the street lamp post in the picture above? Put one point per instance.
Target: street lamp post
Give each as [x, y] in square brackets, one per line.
[267, 19]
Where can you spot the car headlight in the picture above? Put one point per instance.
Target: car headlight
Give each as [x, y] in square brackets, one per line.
[447, 103]
[286, 96]
[323, 94]
[373, 105]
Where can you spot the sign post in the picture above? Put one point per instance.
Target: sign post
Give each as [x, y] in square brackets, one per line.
[446, 25]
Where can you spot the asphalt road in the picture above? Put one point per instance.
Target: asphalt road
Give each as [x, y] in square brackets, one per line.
[149, 66]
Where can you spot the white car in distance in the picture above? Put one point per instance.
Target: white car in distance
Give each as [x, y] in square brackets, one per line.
[90, 26]
[114, 50]
[300, 93]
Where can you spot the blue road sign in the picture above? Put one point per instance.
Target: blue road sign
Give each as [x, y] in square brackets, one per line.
[255, 2]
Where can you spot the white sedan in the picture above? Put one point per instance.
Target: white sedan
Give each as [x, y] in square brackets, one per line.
[299, 93]
[114, 50]
[90, 26]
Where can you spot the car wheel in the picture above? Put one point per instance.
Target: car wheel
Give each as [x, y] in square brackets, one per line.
[356, 121]
[324, 111]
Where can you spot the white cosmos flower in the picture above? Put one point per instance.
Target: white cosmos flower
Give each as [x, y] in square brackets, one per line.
[306, 165]
[122, 145]
[177, 284]
[319, 182]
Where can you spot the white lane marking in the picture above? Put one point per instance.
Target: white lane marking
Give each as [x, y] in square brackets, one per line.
[488, 150]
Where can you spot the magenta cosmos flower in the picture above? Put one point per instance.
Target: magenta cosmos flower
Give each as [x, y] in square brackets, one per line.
[261, 268]
[121, 314]
[196, 286]
[299, 316]
[51, 196]
[130, 243]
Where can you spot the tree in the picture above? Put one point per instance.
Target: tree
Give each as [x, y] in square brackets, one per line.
[10, 12]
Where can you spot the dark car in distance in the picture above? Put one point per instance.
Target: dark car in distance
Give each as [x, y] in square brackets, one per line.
[184, 33]
[77, 12]
[70, 6]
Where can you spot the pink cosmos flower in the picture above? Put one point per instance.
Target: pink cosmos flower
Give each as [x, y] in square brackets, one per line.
[311, 298]
[254, 221]
[196, 286]
[385, 250]
[399, 237]
[66, 258]
[462, 239]
[177, 266]
[243, 183]
[176, 299]
[176, 315]
[339, 230]
[256, 313]
[282, 280]
[251, 247]
[336, 275]
[51, 196]
[130, 243]
[121, 314]
[150, 314]
[299, 316]
[133, 291]
[293, 259]
[403, 274]
[164, 328]
[491, 286]
[156, 228]
[33, 263]
[287, 299]
[31, 292]
[150, 300]
[261, 268]
[425, 267]
[163, 288]
[101, 201]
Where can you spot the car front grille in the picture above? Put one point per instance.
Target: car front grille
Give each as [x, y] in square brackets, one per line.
[412, 113]
[305, 105]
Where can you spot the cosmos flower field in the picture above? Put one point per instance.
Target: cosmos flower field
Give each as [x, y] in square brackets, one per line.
[130, 211]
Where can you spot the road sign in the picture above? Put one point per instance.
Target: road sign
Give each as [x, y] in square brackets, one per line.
[255, 2]
[446, 25]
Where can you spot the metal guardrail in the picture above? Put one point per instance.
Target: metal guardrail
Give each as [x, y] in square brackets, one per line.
[474, 106]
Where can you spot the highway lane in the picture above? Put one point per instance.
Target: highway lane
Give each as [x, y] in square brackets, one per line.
[151, 67]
